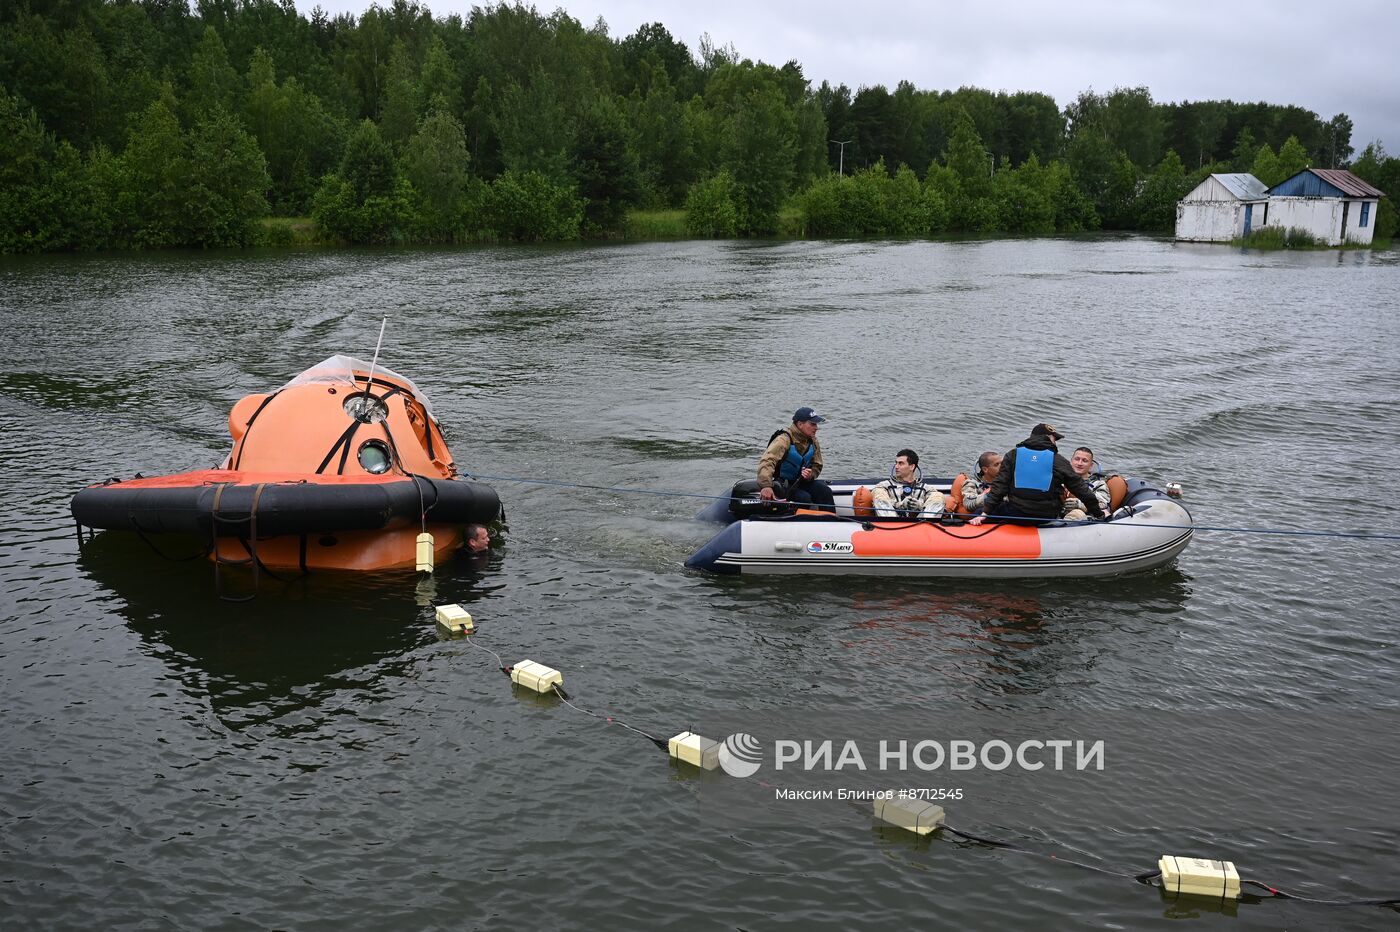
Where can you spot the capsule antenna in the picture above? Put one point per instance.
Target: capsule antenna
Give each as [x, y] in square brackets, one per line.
[375, 361]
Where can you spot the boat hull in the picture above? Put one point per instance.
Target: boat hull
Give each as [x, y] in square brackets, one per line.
[295, 520]
[1149, 531]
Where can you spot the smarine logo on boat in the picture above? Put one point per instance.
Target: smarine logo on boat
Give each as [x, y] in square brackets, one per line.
[831, 546]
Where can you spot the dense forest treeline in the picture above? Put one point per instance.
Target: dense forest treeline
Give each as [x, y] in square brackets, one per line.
[154, 123]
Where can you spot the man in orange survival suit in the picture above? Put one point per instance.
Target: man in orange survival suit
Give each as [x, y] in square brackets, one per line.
[793, 460]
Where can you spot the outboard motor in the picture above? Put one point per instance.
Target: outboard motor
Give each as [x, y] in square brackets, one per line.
[745, 503]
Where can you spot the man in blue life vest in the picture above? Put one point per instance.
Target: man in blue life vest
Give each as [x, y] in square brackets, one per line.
[792, 463]
[1032, 481]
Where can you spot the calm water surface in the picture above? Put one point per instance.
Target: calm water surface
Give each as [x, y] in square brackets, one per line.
[320, 759]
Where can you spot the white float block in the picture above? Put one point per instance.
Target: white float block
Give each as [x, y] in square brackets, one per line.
[536, 676]
[454, 619]
[425, 552]
[692, 749]
[1199, 877]
[915, 815]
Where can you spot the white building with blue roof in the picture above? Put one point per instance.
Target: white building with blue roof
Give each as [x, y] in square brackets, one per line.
[1225, 206]
[1331, 205]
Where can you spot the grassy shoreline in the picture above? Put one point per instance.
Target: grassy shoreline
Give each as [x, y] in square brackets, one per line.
[670, 225]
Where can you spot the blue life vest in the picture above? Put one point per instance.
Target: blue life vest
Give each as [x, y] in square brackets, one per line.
[1033, 469]
[793, 462]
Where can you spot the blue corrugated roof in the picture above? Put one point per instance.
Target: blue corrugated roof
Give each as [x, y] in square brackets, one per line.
[1325, 182]
[1242, 185]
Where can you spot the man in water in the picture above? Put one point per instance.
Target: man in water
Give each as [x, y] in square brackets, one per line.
[904, 493]
[794, 459]
[1032, 481]
[478, 539]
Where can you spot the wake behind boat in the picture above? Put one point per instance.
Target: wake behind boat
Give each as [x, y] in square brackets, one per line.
[1147, 529]
[343, 467]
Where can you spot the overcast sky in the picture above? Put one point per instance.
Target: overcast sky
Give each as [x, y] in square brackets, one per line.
[1328, 59]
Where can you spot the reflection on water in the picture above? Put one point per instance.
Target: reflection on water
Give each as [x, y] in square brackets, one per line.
[302, 637]
[1005, 643]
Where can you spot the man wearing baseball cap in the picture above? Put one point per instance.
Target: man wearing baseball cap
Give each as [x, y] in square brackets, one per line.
[1032, 481]
[792, 463]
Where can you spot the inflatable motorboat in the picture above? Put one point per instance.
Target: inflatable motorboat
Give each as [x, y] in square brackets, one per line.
[1147, 528]
[344, 467]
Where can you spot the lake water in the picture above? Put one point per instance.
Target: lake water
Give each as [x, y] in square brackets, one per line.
[320, 759]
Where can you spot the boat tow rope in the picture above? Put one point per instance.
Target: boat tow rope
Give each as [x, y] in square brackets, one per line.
[667, 493]
[558, 690]
[961, 838]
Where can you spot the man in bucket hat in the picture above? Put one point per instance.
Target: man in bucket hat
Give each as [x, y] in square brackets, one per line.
[792, 463]
[1032, 481]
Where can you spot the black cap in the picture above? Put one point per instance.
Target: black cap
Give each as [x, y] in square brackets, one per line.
[806, 414]
[1045, 430]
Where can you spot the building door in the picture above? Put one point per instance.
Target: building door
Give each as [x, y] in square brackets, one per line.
[1346, 210]
[1248, 218]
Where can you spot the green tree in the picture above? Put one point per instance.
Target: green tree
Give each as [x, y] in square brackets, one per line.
[530, 206]
[661, 139]
[1266, 167]
[398, 118]
[1133, 125]
[228, 184]
[823, 208]
[1245, 152]
[300, 139]
[1074, 211]
[435, 163]
[27, 223]
[366, 59]
[61, 71]
[1292, 158]
[1207, 123]
[606, 168]
[971, 202]
[213, 84]
[1025, 199]
[651, 53]
[1337, 141]
[1119, 209]
[367, 164]
[1382, 171]
[154, 179]
[440, 77]
[871, 122]
[365, 201]
[942, 184]
[1156, 202]
[262, 105]
[712, 207]
[534, 129]
[811, 142]
[758, 140]
[968, 158]
[481, 137]
[82, 205]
